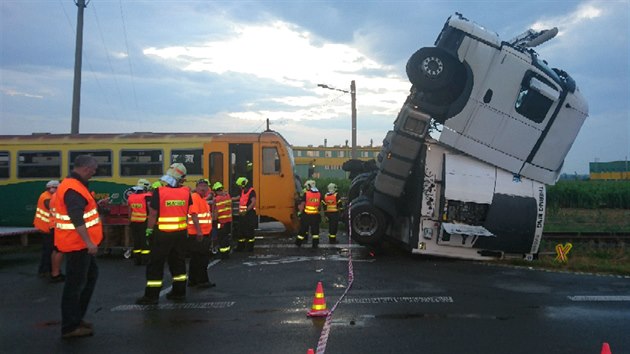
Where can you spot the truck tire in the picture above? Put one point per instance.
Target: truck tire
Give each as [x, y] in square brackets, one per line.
[368, 223]
[357, 184]
[433, 68]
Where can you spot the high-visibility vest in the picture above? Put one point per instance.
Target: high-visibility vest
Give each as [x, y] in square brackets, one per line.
[67, 239]
[174, 203]
[223, 203]
[53, 210]
[312, 202]
[138, 205]
[42, 213]
[331, 202]
[202, 209]
[242, 203]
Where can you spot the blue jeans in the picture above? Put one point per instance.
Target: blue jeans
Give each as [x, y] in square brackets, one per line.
[81, 275]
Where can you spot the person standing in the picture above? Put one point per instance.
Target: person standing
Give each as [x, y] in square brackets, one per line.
[199, 228]
[223, 219]
[138, 212]
[332, 205]
[168, 210]
[309, 214]
[78, 232]
[247, 215]
[42, 221]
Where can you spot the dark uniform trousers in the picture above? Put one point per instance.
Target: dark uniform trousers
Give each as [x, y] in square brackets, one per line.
[140, 248]
[309, 221]
[199, 259]
[167, 247]
[224, 232]
[247, 225]
[333, 223]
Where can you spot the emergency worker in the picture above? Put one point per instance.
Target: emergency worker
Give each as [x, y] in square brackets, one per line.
[199, 228]
[247, 215]
[223, 219]
[138, 212]
[332, 205]
[78, 232]
[168, 210]
[42, 221]
[309, 214]
[57, 257]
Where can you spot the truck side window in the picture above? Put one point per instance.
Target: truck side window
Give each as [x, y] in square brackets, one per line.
[535, 98]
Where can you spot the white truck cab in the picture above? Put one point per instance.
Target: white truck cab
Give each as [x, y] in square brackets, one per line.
[508, 121]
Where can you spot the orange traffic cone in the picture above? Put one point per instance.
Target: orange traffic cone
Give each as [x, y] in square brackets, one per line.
[319, 303]
[606, 348]
[310, 351]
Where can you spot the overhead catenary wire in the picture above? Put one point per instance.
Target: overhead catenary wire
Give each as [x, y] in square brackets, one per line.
[122, 16]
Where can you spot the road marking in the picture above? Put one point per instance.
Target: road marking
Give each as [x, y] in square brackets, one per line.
[216, 261]
[295, 259]
[176, 306]
[325, 245]
[599, 298]
[399, 299]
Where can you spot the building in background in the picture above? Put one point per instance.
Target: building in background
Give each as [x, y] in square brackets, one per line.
[325, 161]
[613, 170]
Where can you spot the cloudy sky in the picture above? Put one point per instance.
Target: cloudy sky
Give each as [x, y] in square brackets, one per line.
[226, 66]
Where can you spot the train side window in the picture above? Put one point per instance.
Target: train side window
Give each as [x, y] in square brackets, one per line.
[147, 162]
[4, 164]
[216, 167]
[535, 98]
[39, 164]
[271, 161]
[191, 158]
[103, 157]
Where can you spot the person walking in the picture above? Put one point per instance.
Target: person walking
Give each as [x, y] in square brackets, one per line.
[78, 232]
[138, 212]
[199, 228]
[41, 221]
[309, 214]
[332, 205]
[223, 219]
[247, 215]
[168, 210]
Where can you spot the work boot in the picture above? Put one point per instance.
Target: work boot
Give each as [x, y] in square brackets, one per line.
[78, 332]
[175, 297]
[332, 239]
[298, 241]
[250, 247]
[59, 278]
[315, 242]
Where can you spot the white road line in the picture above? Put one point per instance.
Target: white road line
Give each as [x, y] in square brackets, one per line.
[399, 299]
[176, 306]
[211, 264]
[287, 260]
[596, 298]
[307, 245]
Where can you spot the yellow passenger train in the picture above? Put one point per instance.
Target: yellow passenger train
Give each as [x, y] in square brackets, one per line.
[27, 162]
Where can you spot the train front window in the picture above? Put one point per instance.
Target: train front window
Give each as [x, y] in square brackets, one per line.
[103, 157]
[39, 164]
[4, 164]
[141, 162]
[271, 161]
[191, 158]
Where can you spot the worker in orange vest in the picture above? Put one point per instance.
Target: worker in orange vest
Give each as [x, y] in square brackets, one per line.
[247, 216]
[168, 211]
[332, 205]
[78, 232]
[138, 212]
[199, 228]
[223, 219]
[310, 218]
[42, 221]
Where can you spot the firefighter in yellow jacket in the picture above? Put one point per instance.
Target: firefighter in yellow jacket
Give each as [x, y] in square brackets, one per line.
[309, 214]
[168, 211]
[138, 212]
[332, 205]
[247, 215]
[223, 219]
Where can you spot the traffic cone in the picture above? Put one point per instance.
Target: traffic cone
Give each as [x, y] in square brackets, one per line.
[310, 351]
[606, 348]
[319, 303]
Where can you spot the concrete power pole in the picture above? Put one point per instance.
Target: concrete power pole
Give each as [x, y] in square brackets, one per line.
[353, 95]
[78, 54]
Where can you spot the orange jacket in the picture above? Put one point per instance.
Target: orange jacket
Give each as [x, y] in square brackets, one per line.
[312, 202]
[331, 202]
[174, 203]
[223, 203]
[242, 204]
[53, 210]
[67, 239]
[138, 205]
[42, 213]
[202, 209]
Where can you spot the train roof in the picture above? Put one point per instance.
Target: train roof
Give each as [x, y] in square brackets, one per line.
[43, 137]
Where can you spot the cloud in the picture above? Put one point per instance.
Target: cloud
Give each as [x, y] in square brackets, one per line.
[11, 92]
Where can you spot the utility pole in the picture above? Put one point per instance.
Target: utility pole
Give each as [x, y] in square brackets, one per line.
[78, 55]
[353, 95]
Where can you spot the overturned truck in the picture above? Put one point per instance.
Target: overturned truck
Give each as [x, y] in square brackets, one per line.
[478, 192]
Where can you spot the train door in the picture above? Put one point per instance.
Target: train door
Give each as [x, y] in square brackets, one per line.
[241, 164]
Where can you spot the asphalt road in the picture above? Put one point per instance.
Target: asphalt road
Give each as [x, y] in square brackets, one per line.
[398, 303]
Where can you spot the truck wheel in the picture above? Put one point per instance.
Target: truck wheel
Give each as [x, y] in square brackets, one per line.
[432, 68]
[368, 223]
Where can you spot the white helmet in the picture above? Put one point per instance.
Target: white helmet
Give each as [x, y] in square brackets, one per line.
[310, 184]
[52, 184]
[177, 171]
[332, 188]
